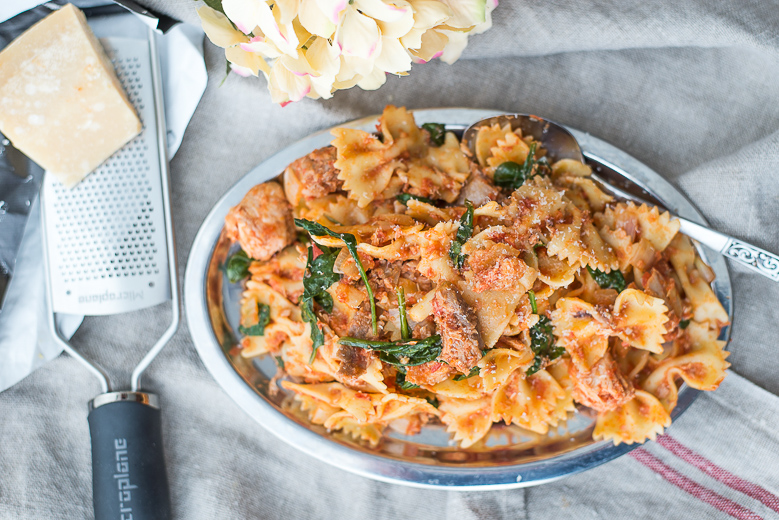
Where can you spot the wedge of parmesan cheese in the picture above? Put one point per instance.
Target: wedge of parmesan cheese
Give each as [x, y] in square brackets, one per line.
[60, 100]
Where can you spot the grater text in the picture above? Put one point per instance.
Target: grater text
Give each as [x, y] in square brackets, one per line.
[111, 296]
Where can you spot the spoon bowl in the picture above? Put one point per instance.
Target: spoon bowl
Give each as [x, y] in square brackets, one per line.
[558, 142]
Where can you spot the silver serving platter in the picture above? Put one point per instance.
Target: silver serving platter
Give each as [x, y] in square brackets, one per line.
[510, 457]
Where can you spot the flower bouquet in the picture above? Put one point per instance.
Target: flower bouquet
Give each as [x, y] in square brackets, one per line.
[314, 47]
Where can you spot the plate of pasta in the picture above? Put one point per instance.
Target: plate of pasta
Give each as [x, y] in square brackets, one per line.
[387, 302]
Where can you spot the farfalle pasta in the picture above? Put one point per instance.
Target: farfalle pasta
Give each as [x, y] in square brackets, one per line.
[425, 285]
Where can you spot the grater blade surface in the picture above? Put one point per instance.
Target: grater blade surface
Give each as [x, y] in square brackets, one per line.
[105, 238]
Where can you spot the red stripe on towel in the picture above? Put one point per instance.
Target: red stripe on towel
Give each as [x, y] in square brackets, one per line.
[721, 474]
[693, 488]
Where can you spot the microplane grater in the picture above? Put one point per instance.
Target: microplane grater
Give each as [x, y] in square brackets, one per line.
[106, 236]
[108, 248]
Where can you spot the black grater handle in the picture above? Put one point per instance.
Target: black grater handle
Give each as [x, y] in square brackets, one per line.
[129, 481]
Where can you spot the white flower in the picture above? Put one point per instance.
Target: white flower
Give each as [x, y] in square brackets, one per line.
[358, 35]
[315, 47]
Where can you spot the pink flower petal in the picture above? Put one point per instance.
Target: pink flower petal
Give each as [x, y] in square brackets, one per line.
[241, 71]
[337, 11]
[358, 35]
[332, 9]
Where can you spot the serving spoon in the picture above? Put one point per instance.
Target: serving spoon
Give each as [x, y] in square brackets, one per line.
[560, 144]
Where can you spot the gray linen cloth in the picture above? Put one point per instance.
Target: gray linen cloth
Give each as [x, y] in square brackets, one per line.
[689, 87]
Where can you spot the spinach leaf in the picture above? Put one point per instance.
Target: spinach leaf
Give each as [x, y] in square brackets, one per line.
[433, 401]
[403, 198]
[318, 277]
[280, 362]
[437, 133]
[512, 175]
[613, 280]
[509, 175]
[474, 372]
[404, 332]
[317, 336]
[684, 324]
[463, 234]
[237, 267]
[400, 382]
[533, 306]
[542, 344]
[316, 229]
[263, 318]
[401, 353]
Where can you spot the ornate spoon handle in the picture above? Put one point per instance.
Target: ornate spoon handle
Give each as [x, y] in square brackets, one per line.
[757, 259]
